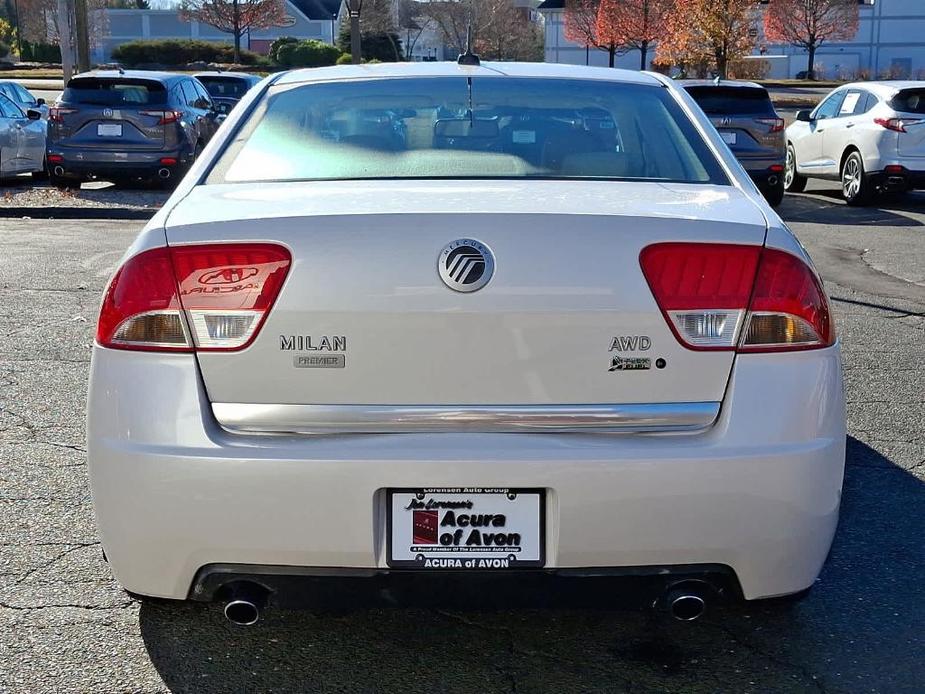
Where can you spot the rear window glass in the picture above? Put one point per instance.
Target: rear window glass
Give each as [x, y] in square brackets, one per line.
[114, 92]
[481, 127]
[732, 101]
[909, 101]
[225, 87]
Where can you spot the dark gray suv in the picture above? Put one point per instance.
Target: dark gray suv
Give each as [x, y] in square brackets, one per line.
[128, 126]
[746, 120]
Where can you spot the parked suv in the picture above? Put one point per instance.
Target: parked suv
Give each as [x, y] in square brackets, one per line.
[227, 88]
[746, 120]
[128, 125]
[869, 136]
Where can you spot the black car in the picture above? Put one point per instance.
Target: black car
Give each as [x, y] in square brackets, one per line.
[128, 125]
[227, 88]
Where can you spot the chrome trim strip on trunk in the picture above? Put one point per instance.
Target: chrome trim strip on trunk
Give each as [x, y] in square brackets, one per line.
[394, 419]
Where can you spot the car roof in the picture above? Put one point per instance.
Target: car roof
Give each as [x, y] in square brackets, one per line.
[225, 73]
[452, 69]
[133, 74]
[720, 83]
[885, 87]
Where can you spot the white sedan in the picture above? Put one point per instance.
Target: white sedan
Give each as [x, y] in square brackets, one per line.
[501, 318]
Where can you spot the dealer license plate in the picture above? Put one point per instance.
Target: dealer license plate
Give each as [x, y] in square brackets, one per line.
[466, 528]
[728, 138]
[109, 129]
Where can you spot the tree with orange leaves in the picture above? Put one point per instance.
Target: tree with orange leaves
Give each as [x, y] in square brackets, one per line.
[808, 23]
[581, 26]
[714, 32]
[634, 24]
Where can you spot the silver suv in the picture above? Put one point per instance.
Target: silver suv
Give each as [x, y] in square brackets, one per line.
[869, 136]
[746, 120]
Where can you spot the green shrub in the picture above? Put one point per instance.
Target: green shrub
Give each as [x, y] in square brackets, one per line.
[37, 52]
[181, 52]
[345, 59]
[310, 53]
[385, 47]
[279, 43]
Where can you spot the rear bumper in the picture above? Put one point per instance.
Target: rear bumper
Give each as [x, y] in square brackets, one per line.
[906, 179]
[758, 492]
[91, 164]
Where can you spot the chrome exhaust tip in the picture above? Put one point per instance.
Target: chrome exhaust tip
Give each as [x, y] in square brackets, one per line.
[686, 605]
[772, 181]
[59, 171]
[164, 173]
[242, 612]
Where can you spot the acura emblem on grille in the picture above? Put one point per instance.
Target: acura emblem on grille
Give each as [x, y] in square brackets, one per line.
[107, 112]
[466, 265]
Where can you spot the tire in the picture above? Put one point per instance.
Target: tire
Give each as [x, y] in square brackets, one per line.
[775, 194]
[793, 182]
[855, 188]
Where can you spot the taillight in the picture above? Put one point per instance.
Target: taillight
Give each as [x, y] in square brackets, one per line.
[720, 296]
[788, 309]
[56, 113]
[207, 297]
[775, 125]
[897, 124]
[164, 117]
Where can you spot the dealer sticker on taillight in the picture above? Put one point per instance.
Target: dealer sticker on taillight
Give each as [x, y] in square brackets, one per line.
[466, 528]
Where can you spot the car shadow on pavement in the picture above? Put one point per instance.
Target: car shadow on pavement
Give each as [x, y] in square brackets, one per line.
[859, 630]
[827, 207]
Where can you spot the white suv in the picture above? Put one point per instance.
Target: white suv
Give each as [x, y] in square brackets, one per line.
[870, 136]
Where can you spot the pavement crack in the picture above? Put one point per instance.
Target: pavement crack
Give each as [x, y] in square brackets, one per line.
[54, 560]
[99, 608]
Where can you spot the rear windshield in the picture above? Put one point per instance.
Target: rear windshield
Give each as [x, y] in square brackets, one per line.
[732, 101]
[114, 92]
[458, 127]
[225, 87]
[909, 101]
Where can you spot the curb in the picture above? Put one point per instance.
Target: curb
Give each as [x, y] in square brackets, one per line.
[117, 213]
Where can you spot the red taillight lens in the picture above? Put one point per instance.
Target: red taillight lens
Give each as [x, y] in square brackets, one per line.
[211, 297]
[56, 113]
[775, 125]
[54, 158]
[707, 292]
[164, 117]
[789, 309]
[897, 124]
[141, 309]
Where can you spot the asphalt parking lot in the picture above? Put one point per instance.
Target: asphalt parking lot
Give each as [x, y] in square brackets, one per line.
[65, 625]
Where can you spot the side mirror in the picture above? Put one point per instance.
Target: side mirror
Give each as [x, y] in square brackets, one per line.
[40, 101]
[32, 114]
[804, 116]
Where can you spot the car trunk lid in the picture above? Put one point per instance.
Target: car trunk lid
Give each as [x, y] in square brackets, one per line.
[364, 318]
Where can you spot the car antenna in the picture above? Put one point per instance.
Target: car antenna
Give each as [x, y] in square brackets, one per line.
[468, 58]
[121, 71]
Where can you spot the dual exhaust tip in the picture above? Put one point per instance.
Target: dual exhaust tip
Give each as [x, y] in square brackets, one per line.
[162, 173]
[245, 602]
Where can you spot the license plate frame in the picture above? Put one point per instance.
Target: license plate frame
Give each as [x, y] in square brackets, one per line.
[730, 138]
[481, 559]
[109, 129]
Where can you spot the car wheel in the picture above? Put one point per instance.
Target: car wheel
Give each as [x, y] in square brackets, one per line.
[855, 188]
[793, 182]
[774, 194]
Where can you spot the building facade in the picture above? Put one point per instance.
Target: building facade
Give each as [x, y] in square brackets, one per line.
[305, 19]
[890, 42]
